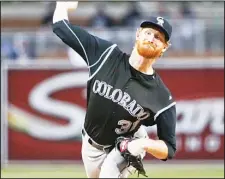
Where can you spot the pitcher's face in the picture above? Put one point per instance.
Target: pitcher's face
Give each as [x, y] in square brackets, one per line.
[150, 42]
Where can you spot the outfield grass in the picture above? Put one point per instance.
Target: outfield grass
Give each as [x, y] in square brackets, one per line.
[77, 171]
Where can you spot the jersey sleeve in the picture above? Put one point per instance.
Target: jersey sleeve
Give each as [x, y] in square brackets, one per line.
[91, 48]
[166, 129]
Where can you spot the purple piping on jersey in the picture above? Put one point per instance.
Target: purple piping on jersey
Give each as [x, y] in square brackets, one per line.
[163, 109]
[78, 41]
[100, 57]
[106, 57]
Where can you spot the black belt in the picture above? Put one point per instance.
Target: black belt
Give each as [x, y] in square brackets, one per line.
[106, 149]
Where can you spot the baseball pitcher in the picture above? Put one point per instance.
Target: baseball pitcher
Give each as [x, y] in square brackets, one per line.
[124, 93]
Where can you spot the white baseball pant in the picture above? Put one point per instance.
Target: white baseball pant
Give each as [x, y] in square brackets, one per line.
[99, 164]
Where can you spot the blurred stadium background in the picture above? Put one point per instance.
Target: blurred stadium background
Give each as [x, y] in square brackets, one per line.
[43, 85]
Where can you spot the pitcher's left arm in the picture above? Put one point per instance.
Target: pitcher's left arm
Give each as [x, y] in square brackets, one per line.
[165, 146]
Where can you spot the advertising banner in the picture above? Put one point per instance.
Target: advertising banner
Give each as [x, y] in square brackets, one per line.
[46, 111]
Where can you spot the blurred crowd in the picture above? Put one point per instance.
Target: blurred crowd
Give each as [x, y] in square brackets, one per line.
[129, 19]
[21, 46]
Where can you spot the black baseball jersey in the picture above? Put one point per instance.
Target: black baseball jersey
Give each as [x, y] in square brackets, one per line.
[119, 98]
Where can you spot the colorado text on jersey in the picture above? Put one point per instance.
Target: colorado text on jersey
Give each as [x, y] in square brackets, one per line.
[121, 98]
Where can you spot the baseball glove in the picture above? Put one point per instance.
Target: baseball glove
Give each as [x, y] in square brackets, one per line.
[135, 161]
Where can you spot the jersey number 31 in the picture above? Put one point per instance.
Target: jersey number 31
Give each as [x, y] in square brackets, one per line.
[126, 126]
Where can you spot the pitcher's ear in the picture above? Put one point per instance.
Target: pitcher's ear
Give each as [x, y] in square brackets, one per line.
[163, 50]
[167, 45]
